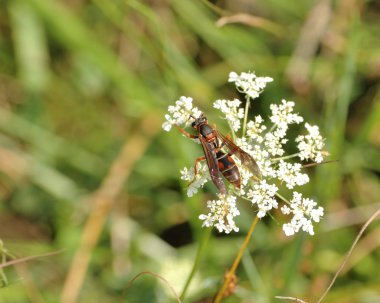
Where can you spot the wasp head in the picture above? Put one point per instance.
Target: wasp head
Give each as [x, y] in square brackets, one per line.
[198, 121]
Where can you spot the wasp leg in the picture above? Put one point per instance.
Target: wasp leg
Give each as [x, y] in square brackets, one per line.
[186, 133]
[195, 168]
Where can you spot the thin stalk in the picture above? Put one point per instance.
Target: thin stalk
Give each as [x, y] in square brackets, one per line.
[282, 198]
[3, 277]
[369, 221]
[231, 273]
[4, 255]
[232, 131]
[200, 253]
[271, 129]
[284, 158]
[247, 104]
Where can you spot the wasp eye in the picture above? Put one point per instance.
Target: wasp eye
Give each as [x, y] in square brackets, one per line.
[193, 124]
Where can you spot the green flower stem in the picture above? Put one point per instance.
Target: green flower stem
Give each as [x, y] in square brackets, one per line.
[284, 158]
[283, 198]
[200, 253]
[4, 254]
[229, 277]
[273, 127]
[3, 277]
[247, 104]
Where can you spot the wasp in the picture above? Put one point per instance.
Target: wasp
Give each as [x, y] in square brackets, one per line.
[218, 151]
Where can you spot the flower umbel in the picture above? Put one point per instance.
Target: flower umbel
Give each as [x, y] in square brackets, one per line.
[304, 211]
[196, 181]
[221, 214]
[311, 145]
[249, 83]
[266, 143]
[231, 111]
[263, 195]
[180, 113]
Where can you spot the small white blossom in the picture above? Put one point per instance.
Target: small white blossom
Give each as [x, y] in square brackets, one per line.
[282, 115]
[267, 169]
[291, 174]
[255, 129]
[274, 143]
[200, 179]
[246, 176]
[249, 83]
[304, 211]
[285, 210]
[180, 113]
[263, 196]
[231, 111]
[311, 145]
[221, 214]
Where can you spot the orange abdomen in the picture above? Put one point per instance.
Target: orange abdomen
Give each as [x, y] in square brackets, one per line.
[228, 168]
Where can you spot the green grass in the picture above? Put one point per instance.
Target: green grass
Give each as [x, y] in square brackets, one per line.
[77, 79]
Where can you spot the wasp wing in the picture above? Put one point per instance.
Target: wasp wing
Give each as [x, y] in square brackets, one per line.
[245, 158]
[212, 163]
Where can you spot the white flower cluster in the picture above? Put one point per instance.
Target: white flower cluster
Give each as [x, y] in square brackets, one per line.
[263, 195]
[231, 111]
[180, 113]
[196, 181]
[266, 144]
[304, 211]
[283, 116]
[249, 83]
[310, 146]
[291, 174]
[221, 214]
[255, 128]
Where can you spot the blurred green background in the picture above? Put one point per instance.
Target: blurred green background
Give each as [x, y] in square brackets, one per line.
[86, 167]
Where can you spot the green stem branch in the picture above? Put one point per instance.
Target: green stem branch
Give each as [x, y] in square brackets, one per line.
[284, 158]
[247, 104]
[231, 273]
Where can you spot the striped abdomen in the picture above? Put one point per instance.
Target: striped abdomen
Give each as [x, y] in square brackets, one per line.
[228, 168]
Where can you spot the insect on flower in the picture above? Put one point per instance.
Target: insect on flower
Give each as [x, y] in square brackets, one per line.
[218, 151]
[258, 152]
